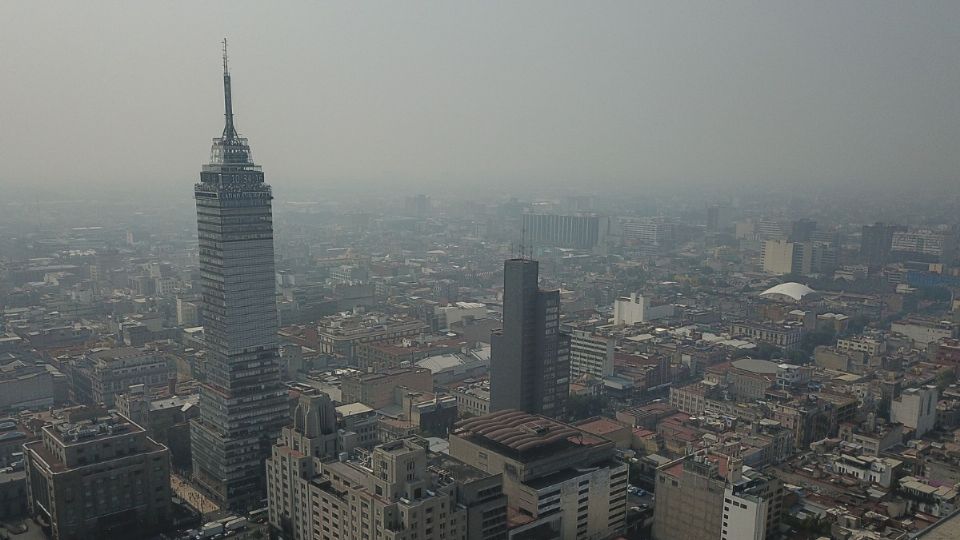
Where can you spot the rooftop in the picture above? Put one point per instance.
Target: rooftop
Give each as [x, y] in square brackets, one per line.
[600, 426]
[754, 365]
[791, 290]
[353, 408]
[518, 432]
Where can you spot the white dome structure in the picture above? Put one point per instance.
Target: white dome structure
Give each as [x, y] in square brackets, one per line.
[788, 292]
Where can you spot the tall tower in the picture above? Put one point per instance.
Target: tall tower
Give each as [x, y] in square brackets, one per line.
[242, 402]
[529, 357]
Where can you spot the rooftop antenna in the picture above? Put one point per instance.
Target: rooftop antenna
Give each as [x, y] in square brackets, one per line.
[229, 131]
[523, 240]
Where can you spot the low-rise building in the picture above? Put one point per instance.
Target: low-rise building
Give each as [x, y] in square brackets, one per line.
[104, 373]
[357, 426]
[786, 335]
[377, 389]
[556, 477]
[473, 399]
[401, 492]
[869, 469]
[29, 384]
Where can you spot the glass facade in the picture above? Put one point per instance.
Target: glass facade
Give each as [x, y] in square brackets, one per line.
[242, 401]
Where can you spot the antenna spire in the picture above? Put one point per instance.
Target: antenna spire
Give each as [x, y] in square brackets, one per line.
[229, 131]
[226, 71]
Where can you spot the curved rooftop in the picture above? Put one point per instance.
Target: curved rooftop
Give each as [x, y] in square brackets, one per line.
[791, 290]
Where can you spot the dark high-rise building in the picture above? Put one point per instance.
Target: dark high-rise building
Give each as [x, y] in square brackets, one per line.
[802, 230]
[529, 357]
[243, 406]
[876, 241]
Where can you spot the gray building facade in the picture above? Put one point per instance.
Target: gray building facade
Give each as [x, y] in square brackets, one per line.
[529, 357]
[243, 405]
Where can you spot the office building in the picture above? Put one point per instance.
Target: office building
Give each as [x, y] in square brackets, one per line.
[802, 230]
[401, 491]
[243, 405]
[752, 507]
[916, 408]
[95, 474]
[636, 308]
[579, 231]
[529, 357]
[783, 257]
[719, 218]
[561, 481]
[935, 245]
[876, 242]
[707, 496]
[590, 354]
[652, 234]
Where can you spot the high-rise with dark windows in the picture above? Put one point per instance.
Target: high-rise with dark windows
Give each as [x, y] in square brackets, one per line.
[529, 357]
[242, 402]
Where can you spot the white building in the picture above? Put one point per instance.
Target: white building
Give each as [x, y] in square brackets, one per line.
[458, 311]
[590, 354]
[916, 408]
[789, 375]
[923, 331]
[778, 257]
[187, 313]
[746, 511]
[636, 309]
[871, 469]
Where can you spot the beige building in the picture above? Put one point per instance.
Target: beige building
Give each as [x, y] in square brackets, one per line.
[706, 497]
[473, 399]
[339, 336]
[401, 491]
[560, 481]
[97, 474]
[376, 390]
[778, 256]
[590, 354]
[783, 335]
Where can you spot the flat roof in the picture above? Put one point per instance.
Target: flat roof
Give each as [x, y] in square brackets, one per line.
[600, 426]
[353, 408]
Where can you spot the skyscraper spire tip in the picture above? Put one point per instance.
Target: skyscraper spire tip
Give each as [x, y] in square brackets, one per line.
[226, 71]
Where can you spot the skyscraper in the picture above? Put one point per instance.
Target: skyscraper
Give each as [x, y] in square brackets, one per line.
[529, 357]
[876, 242]
[242, 403]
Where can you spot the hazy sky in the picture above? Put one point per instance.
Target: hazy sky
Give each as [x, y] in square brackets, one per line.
[484, 93]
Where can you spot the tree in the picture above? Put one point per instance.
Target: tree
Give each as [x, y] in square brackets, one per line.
[945, 378]
[580, 407]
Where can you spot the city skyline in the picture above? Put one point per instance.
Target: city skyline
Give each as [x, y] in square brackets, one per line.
[531, 271]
